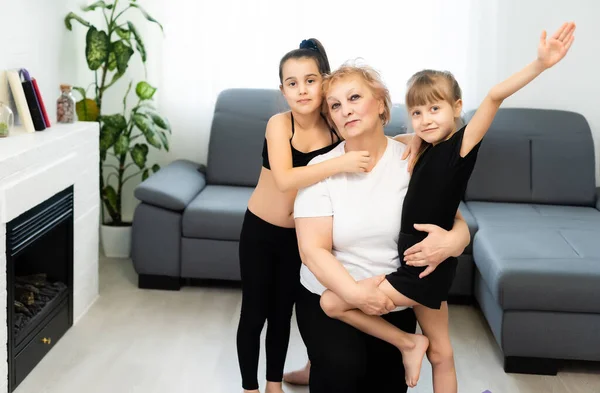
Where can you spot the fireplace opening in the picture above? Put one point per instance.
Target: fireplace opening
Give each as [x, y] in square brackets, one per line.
[39, 282]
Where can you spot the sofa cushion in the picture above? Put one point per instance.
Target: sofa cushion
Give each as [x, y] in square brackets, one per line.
[237, 134]
[173, 187]
[471, 223]
[519, 215]
[535, 156]
[217, 213]
[540, 267]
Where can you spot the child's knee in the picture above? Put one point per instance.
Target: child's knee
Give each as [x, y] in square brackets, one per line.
[440, 354]
[329, 304]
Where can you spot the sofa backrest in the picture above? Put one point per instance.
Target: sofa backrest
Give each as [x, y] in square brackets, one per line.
[398, 123]
[237, 134]
[535, 156]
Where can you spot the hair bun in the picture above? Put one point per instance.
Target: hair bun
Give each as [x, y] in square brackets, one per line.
[309, 44]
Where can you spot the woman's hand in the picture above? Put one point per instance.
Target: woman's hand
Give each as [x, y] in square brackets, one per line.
[412, 151]
[438, 246]
[552, 51]
[370, 299]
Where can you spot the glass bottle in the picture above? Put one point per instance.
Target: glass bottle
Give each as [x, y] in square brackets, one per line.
[65, 105]
[6, 120]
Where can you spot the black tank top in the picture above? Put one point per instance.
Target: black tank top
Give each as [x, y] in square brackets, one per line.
[438, 184]
[300, 158]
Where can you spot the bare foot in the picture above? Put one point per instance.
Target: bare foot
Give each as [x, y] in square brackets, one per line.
[274, 387]
[298, 377]
[412, 359]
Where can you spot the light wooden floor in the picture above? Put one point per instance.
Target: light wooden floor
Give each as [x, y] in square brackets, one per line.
[134, 340]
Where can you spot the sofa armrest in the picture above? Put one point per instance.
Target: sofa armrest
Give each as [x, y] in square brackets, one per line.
[598, 198]
[173, 187]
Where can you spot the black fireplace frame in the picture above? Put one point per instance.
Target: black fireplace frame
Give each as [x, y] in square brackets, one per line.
[57, 316]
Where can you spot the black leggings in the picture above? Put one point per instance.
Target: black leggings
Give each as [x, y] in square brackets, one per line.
[270, 267]
[344, 359]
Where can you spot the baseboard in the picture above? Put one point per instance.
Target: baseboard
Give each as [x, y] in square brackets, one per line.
[151, 281]
[526, 365]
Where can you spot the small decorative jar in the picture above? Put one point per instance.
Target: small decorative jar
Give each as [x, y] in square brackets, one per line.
[65, 106]
[6, 120]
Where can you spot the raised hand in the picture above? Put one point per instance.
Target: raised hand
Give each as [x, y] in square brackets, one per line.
[551, 51]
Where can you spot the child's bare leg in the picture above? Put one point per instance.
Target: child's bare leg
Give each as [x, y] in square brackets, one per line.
[412, 346]
[434, 324]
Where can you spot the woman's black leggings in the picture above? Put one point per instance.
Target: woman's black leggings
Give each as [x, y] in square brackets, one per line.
[270, 268]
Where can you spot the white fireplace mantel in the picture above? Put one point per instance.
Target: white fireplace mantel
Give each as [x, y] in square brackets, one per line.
[34, 167]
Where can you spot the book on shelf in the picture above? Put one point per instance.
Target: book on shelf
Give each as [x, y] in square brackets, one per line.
[27, 100]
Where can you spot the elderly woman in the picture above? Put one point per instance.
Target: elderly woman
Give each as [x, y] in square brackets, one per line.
[347, 228]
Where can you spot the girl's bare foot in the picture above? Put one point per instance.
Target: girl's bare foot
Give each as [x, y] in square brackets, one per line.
[412, 359]
[298, 377]
[274, 387]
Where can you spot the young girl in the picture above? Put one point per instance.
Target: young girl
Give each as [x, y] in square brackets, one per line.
[268, 251]
[438, 183]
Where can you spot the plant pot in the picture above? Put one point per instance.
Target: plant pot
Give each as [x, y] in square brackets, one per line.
[116, 241]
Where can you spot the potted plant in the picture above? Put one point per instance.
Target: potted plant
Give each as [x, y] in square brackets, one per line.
[125, 137]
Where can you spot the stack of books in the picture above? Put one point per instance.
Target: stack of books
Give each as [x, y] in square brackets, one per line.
[27, 100]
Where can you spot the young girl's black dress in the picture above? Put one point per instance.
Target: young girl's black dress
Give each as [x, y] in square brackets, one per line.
[437, 186]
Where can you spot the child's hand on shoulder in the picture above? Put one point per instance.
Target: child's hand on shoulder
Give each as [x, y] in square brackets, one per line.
[411, 152]
[354, 161]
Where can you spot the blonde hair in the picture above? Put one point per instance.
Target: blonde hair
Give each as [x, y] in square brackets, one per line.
[370, 77]
[428, 86]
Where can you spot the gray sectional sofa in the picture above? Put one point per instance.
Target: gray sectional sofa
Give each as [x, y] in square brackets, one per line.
[533, 265]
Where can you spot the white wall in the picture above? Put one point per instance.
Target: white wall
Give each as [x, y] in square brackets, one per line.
[238, 43]
[33, 36]
[570, 85]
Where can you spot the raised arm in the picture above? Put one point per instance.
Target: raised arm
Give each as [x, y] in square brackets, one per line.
[549, 53]
[289, 178]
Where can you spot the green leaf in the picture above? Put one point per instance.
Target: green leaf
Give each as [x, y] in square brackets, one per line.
[112, 61]
[138, 40]
[115, 78]
[87, 110]
[110, 197]
[122, 54]
[116, 121]
[146, 15]
[139, 154]
[144, 91]
[122, 145]
[164, 139]
[145, 174]
[96, 49]
[108, 137]
[146, 126]
[160, 121]
[81, 90]
[98, 4]
[79, 19]
[123, 33]
[155, 168]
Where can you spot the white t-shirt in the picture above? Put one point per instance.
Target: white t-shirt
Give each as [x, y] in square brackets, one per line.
[366, 210]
